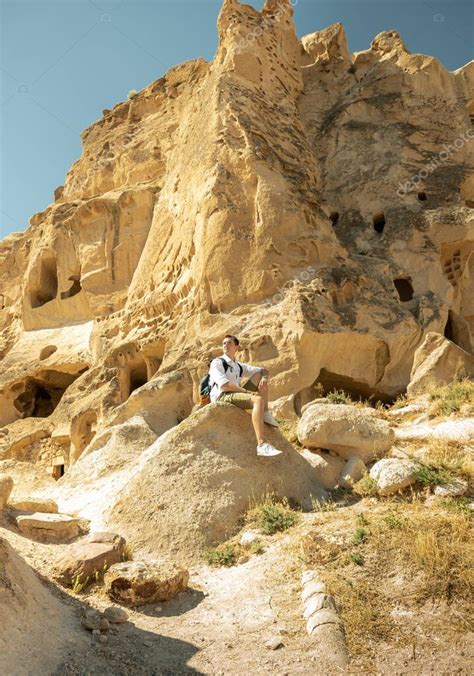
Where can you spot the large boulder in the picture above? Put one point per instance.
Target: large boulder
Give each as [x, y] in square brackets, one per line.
[6, 487]
[437, 362]
[51, 528]
[346, 429]
[327, 465]
[352, 471]
[134, 583]
[392, 475]
[89, 557]
[190, 489]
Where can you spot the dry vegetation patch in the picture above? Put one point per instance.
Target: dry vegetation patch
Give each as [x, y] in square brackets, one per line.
[455, 398]
[398, 561]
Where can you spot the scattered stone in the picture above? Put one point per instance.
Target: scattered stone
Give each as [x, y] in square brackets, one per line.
[6, 487]
[50, 528]
[42, 505]
[91, 620]
[103, 638]
[452, 489]
[116, 615]
[273, 643]
[103, 624]
[248, 537]
[89, 557]
[323, 616]
[134, 583]
[242, 559]
[345, 429]
[352, 471]
[312, 587]
[392, 475]
[327, 466]
[96, 632]
[147, 643]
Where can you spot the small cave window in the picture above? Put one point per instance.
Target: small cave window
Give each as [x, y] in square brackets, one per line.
[48, 283]
[138, 375]
[334, 217]
[379, 222]
[74, 289]
[449, 329]
[47, 351]
[422, 196]
[58, 471]
[404, 289]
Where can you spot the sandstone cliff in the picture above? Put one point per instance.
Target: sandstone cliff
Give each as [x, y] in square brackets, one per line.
[317, 203]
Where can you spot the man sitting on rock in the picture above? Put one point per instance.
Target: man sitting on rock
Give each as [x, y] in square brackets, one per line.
[226, 387]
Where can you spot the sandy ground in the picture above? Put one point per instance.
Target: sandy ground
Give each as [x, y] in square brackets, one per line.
[220, 625]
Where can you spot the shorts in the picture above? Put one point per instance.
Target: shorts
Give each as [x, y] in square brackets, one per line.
[240, 399]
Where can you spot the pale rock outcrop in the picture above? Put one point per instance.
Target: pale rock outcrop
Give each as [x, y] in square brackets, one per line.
[134, 583]
[346, 429]
[452, 489]
[455, 429]
[6, 487]
[283, 408]
[392, 475]
[438, 362]
[352, 471]
[195, 482]
[34, 625]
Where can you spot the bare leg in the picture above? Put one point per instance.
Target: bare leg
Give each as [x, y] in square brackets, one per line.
[257, 417]
[255, 379]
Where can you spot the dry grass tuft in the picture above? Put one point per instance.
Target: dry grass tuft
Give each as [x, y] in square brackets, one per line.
[450, 399]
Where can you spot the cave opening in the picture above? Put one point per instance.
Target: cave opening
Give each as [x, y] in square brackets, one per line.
[379, 223]
[334, 217]
[48, 283]
[74, 289]
[404, 289]
[138, 375]
[422, 196]
[58, 471]
[40, 396]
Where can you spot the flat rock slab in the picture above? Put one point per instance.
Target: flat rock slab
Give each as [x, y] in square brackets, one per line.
[133, 583]
[34, 505]
[50, 528]
[88, 559]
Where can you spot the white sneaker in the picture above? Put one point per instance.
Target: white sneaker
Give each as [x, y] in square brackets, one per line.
[267, 450]
[269, 419]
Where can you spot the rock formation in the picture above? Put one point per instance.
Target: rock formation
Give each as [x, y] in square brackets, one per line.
[316, 203]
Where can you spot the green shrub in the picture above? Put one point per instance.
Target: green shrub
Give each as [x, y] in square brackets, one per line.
[366, 486]
[360, 536]
[395, 521]
[272, 515]
[460, 505]
[431, 475]
[256, 547]
[338, 397]
[222, 555]
[357, 558]
[131, 94]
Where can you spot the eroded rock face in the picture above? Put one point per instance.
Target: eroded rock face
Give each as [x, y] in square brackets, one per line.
[345, 429]
[49, 527]
[438, 361]
[134, 583]
[6, 487]
[330, 255]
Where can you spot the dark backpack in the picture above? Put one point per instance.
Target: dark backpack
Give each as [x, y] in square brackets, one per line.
[205, 386]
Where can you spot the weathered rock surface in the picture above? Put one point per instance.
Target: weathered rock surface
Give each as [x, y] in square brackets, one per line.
[49, 527]
[89, 557]
[134, 583]
[116, 615]
[34, 505]
[437, 362]
[346, 429]
[328, 466]
[392, 475]
[352, 471]
[452, 489]
[6, 487]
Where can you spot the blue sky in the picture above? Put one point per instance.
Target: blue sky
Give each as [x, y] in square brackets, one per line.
[63, 61]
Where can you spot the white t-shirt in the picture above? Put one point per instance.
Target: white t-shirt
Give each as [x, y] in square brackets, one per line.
[232, 375]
